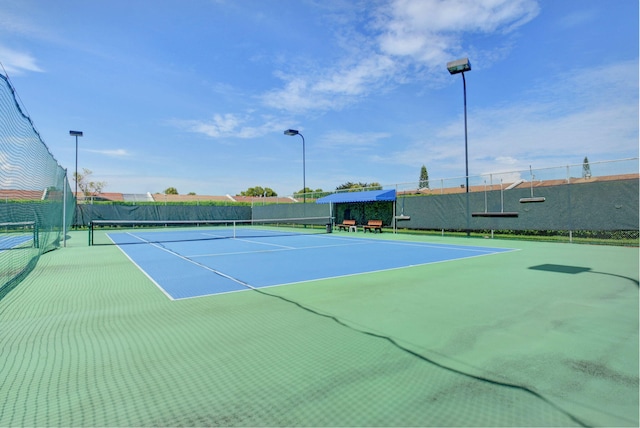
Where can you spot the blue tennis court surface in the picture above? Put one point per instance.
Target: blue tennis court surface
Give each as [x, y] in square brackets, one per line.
[193, 268]
[13, 241]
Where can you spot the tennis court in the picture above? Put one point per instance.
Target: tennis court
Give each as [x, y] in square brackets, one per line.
[13, 242]
[189, 263]
[17, 235]
[546, 335]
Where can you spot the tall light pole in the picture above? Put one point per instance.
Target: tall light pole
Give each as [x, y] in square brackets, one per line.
[75, 195]
[459, 67]
[304, 182]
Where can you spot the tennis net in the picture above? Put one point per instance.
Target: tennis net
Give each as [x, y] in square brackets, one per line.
[123, 232]
[15, 235]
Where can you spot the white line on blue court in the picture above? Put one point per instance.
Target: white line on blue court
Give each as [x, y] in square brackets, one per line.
[311, 247]
[223, 268]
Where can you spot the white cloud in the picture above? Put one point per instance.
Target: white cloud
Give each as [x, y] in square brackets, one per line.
[356, 79]
[461, 15]
[18, 21]
[584, 112]
[295, 96]
[16, 62]
[333, 88]
[406, 34]
[430, 31]
[112, 153]
[218, 126]
[231, 125]
[351, 140]
[590, 112]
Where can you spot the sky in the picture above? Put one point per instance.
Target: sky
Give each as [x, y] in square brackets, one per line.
[197, 94]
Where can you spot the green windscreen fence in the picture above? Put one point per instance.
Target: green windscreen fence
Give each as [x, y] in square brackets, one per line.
[36, 202]
[596, 206]
[86, 213]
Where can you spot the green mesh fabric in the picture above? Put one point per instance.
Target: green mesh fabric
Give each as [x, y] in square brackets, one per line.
[36, 204]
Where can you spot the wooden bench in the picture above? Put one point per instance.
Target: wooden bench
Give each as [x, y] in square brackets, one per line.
[373, 225]
[347, 225]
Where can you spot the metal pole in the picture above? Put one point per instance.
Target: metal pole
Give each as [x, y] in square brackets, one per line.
[75, 178]
[75, 195]
[395, 220]
[466, 152]
[304, 173]
[64, 209]
[455, 67]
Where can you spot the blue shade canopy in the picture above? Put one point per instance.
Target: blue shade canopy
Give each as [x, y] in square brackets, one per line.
[368, 196]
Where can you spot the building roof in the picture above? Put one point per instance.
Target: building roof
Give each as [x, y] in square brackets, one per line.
[21, 194]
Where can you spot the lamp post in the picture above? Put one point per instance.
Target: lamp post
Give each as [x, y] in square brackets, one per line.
[76, 134]
[75, 195]
[459, 67]
[304, 182]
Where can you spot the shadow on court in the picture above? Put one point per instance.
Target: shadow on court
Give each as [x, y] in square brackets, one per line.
[578, 269]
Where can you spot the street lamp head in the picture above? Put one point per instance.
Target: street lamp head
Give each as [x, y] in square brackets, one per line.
[75, 133]
[459, 66]
[304, 180]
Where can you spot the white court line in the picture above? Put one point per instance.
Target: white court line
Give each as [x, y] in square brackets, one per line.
[476, 249]
[265, 243]
[473, 248]
[355, 242]
[351, 274]
[187, 259]
[140, 267]
[285, 248]
[351, 242]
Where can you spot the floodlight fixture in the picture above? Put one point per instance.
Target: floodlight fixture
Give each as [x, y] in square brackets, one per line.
[291, 132]
[459, 66]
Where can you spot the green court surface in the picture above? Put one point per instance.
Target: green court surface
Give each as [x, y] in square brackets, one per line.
[543, 336]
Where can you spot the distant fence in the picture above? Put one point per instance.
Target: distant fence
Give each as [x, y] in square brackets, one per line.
[592, 196]
[607, 205]
[85, 213]
[600, 198]
[600, 208]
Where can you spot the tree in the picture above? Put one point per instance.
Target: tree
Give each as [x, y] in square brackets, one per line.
[310, 193]
[302, 192]
[259, 191]
[586, 168]
[358, 187]
[319, 193]
[87, 187]
[170, 191]
[191, 193]
[424, 178]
